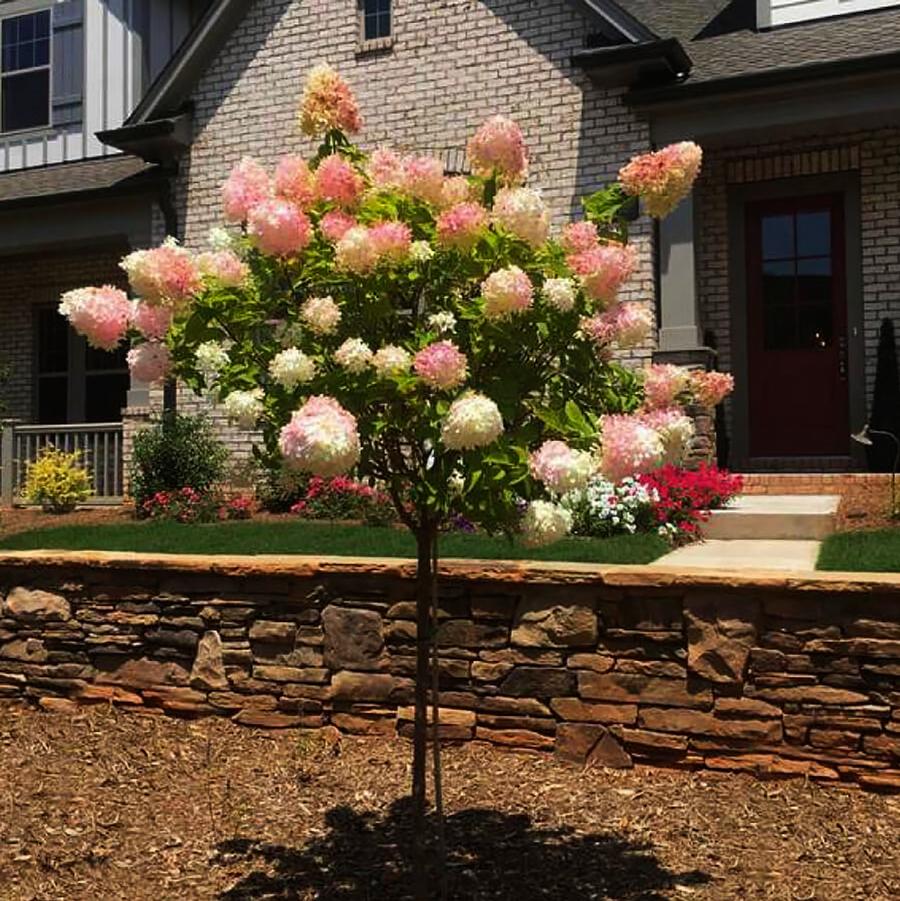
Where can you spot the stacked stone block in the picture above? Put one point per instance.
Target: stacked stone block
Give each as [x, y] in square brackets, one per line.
[608, 668]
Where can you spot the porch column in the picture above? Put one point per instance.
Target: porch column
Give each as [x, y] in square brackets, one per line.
[138, 394]
[679, 325]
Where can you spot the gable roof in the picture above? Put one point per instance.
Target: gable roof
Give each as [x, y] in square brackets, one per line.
[722, 40]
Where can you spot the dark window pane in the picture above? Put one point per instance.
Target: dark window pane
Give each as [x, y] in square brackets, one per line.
[42, 52]
[10, 31]
[814, 326]
[105, 360]
[25, 101]
[377, 19]
[42, 24]
[26, 28]
[777, 237]
[53, 342]
[781, 328]
[814, 234]
[52, 399]
[26, 56]
[105, 396]
[778, 282]
[10, 56]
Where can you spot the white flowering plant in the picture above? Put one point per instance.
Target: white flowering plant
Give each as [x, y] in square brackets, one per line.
[603, 508]
[369, 314]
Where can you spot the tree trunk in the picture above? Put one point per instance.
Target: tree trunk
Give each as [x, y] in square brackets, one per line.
[425, 541]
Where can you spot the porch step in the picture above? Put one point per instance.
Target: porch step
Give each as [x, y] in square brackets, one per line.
[775, 517]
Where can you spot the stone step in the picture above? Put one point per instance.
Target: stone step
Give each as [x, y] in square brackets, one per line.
[738, 555]
[775, 517]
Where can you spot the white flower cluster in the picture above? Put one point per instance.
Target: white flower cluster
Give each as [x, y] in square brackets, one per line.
[559, 293]
[523, 212]
[473, 420]
[444, 323]
[292, 367]
[606, 508]
[545, 523]
[420, 251]
[391, 360]
[354, 355]
[211, 358]
[321, 314]
[244, 407]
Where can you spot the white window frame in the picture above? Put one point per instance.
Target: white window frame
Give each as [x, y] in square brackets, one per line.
[16, 10]
[383, 43]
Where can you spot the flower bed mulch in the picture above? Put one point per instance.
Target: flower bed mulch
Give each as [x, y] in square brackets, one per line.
[865, 504]
[111, 805]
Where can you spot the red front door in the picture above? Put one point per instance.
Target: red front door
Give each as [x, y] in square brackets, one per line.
[797, 329]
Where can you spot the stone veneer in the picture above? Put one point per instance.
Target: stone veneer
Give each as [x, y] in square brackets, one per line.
[609, 666]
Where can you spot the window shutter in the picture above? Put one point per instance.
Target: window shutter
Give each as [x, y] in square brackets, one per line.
[68, 62]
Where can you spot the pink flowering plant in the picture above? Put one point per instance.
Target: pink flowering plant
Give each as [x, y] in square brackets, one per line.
[428, 333]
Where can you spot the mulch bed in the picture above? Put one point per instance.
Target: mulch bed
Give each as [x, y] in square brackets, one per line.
[109, 805]
[866, 504]
[24, 519]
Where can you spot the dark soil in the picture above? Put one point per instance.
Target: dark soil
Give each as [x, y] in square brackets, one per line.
[109, 805]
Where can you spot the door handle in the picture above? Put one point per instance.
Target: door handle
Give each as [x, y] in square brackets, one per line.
[842, 358]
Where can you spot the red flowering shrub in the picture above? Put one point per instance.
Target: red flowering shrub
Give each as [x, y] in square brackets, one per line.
[344, 498]
[240, 507]
[189, 505]
[687, 495]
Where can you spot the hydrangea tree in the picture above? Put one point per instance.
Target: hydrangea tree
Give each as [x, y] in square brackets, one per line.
[369, 314]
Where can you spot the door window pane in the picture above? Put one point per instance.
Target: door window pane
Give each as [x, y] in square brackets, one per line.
[814, 326]
[105, 396]
[777, 237]
[814, 233]
[780, 327]
[778, 282]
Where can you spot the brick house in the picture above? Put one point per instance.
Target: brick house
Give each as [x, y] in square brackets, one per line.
[784, 260]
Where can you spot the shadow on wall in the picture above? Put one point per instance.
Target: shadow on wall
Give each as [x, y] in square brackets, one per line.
[492, 856]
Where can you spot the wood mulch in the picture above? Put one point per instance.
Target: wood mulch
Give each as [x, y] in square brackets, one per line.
[24, 519]
[109, 805]
[865, 504]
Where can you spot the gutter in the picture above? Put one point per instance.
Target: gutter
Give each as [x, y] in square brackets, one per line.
[156, 141]
[651, 62]
[764, 80]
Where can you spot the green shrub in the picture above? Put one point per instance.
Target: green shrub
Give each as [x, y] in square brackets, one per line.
[177, 452]
[57, 480]
[277, 488]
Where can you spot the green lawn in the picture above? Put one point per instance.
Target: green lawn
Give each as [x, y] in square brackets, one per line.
[299, 537]
[873, 551]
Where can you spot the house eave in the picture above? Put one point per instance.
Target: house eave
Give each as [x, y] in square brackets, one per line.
[635, 65]
[159, 141]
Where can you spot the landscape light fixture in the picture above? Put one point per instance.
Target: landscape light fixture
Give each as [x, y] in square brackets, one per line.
[863, 437]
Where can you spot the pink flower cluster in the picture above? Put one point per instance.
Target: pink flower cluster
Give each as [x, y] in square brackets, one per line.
[461, 225]
[560, 467]
[579, 236]
[664, 384]
[675, 430]
[421, 177]
[711, 388]
[295, 181]
[149, 362]
[321, 438]
[662, 179]
[152, 322]
[499, 147]
[224, 267]
[522, 212]
[441, 365]
[246, 186]
[279, 228]
[328, 104]
[628, 445]
[603, 269]
[507, 291]
[101, 315]
[167, 275]
[625, 325]
[356, 251]
[335, 224]
[337, 181]
[391, 240]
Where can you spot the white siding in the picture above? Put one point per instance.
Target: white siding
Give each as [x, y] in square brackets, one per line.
[105, 53]
[771, 13]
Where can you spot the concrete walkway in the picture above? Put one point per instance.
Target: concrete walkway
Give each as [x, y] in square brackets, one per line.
[791, 556]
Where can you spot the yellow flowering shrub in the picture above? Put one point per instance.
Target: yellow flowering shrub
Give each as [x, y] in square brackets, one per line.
[57, 480]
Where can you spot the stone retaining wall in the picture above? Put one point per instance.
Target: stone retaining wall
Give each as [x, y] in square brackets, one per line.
[612, 666]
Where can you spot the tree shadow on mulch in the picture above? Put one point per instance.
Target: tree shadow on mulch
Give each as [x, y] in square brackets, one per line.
[492, 856]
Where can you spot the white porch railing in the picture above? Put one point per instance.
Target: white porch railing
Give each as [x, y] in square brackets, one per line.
[100, 446]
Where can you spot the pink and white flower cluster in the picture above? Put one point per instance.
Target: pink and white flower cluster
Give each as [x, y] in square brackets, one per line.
[149, 362]
[711, 388]
[603, 269]
[391, 360]
[279, 228]
[626, 325]
[545, 523]
[321, 438]
[562, 468]
[441, 365]
[498, 147]
[246, 186]
[291, 367]
[523, 212]
[628, 445]
[473, 420]
[224, 267]
[354, 355]
[101, 315]
[420, 177]
[328, 104]
[152, 322]
[461, 225]
[662, 179]
[321, 315]
[664, 384]
[507, 291]
[167, 275]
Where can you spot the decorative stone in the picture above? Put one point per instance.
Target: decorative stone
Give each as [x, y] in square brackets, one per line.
[590, 744]
[529, 723]
[183, 639]
[465, 634]
[110, 694]
[811, 694]
[720, 636]
[576, 710]
[273, 632]
[873, 628]
[750, 707]
[525, 656]
[538, 624]
[23, 603]
[58, 705]
[538, 682]
[28, 650]
[353, 638]
[608, 752]
[595, 662]
[209, 666]
[382, 723]
[515, 738]
[267, 719]
[640, 741]
[526, 706]
[695, 722]
[228, 700]
[633, 688]
[146, 673]
[349, 686]
[290, 673]
[489, 672]
[771, 765]
[889, 783]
